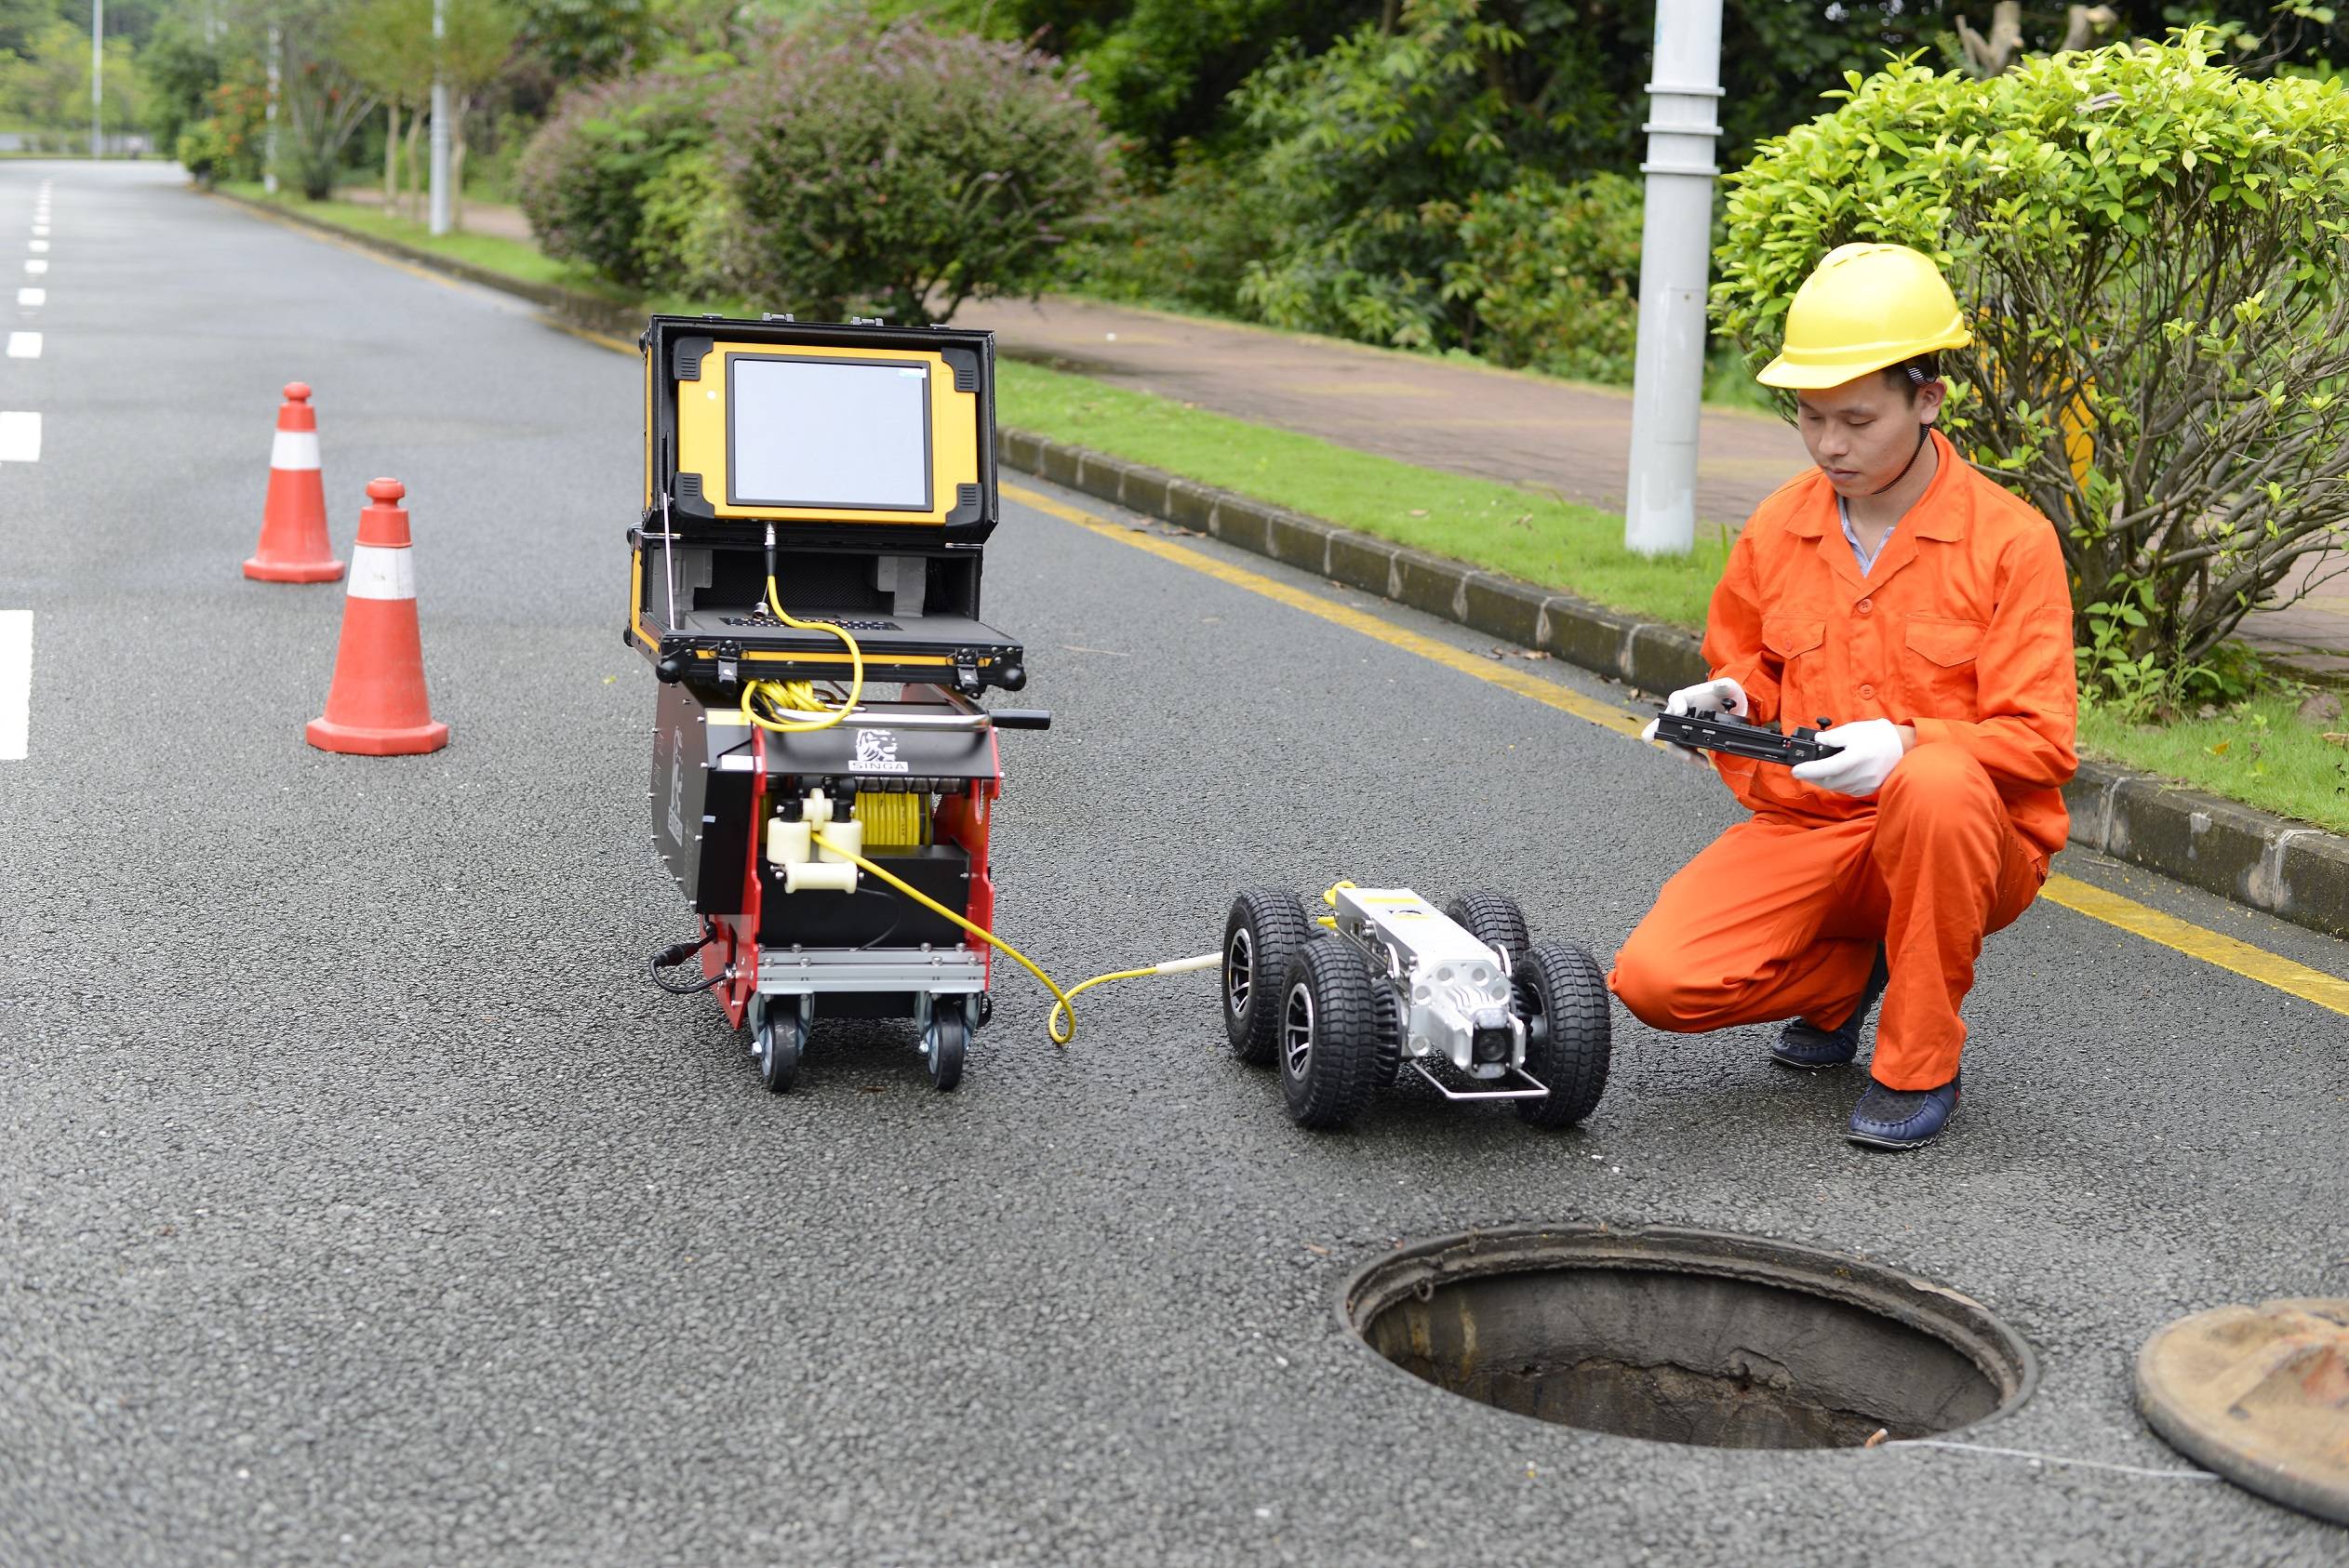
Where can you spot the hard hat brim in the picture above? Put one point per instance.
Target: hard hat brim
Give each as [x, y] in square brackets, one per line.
[1819, 375]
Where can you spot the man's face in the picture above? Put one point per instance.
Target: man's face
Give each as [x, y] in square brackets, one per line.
[1862, 434]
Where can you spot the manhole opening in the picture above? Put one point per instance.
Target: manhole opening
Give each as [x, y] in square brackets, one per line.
[1689, 1337]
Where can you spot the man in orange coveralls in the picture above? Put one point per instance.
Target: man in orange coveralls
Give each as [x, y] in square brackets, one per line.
[1901, 593]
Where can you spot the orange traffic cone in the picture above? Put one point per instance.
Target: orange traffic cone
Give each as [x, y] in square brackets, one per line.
[376, 707]
[294, 547]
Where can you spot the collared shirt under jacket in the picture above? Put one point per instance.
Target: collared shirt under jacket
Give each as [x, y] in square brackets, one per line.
[1962, 628]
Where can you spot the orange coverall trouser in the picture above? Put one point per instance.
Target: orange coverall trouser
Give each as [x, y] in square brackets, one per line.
[1777, 919]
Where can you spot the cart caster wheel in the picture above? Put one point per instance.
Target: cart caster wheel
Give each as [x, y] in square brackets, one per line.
[1563, 999]
[943, 1045]
[1266, 927]
[779, 1037]
[1330, 1047]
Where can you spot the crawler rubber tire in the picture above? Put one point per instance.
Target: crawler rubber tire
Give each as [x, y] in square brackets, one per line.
[1493, 919]
[1329, 1043]
[780, 1038]
[1388, 1018]
[1266, 929]
[1563, 999]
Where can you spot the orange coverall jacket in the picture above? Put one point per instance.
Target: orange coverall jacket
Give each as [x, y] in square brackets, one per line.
[1963, 629]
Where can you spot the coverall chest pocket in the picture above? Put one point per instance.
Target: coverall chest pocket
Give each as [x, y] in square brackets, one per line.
[1794, 641]
[1938, 666]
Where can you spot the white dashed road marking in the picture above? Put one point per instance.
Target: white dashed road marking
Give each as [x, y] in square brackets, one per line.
[24, 345]
[16, 681]
[33, 296]
[36, 266]
[37, 247]
[19, 438]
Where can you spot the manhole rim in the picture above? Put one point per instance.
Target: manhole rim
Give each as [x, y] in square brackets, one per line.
[1925, 1306]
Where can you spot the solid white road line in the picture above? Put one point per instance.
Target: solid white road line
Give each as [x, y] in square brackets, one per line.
[16, 683]
[33, 296]
[24, 345]
[19, 438]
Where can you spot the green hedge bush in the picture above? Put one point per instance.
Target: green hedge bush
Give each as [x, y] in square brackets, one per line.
[2152, 248]
[1550, 274]
[902, 172]
[587, 175]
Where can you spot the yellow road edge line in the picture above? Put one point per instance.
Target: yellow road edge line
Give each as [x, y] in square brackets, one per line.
[2211, 947]
[2140, 919]
[2225, 952]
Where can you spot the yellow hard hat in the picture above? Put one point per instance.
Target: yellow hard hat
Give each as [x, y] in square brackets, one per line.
[1865, 307]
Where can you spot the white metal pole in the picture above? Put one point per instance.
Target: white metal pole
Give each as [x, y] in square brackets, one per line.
[1660, 507]
[97, 73]
[440, 123]
[269, 142]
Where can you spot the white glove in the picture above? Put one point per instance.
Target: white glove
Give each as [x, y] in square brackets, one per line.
[1870, 749]
[1723, 696]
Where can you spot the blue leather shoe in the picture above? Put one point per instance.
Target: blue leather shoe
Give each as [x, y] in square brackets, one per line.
[1808, 1046]
[1901, 1118]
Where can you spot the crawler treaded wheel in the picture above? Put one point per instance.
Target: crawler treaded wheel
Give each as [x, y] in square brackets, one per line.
[1387, 1021]
[1563, 998]
[779, 1037]
[1493, 919]
[1265, 929]
[1328, 1045]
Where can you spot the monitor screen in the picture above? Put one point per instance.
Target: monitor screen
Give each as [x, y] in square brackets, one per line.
[828, 432]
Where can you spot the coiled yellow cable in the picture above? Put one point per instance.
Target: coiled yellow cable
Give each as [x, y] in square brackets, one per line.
[1060, 1024]
[800, 694]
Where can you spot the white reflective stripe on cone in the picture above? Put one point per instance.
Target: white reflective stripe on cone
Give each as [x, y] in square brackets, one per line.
[377, 572]
[294, 449]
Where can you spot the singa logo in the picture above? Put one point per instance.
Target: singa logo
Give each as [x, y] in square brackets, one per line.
[876, 753]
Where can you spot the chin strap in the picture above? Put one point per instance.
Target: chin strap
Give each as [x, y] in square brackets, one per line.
[1923, 431]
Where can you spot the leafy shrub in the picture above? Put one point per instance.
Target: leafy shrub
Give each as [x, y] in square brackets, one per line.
[1362, 142]
[1550, 275]
[585, 178]
[688, 226]
[1185, 240]
[902, 172]
[2152, 250]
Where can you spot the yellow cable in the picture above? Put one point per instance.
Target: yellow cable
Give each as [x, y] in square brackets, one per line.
[1064, 1007]
[795, 692]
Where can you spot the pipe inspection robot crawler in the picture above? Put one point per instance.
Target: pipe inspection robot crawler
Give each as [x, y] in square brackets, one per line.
[817, 501]
[1461, 996]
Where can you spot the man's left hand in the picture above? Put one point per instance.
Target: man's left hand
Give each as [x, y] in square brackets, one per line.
[1872, 748]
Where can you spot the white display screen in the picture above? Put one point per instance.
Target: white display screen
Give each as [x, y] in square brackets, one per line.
[828, 432]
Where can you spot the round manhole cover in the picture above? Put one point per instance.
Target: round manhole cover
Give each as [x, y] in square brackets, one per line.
[1692, 1336]
[2259, 1394]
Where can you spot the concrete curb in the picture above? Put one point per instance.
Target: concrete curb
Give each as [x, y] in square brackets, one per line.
[2288, 869]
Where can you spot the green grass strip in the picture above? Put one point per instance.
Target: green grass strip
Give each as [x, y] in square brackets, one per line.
[513, 258]
[2261, 753]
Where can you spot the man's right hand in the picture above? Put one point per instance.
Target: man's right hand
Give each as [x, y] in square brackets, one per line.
[1723, 696]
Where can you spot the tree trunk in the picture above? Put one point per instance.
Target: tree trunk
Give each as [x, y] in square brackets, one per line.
[457, 170]
[392, 157]
[415, 186]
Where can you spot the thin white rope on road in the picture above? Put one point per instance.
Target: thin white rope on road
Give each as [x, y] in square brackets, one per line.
[2053, 1460]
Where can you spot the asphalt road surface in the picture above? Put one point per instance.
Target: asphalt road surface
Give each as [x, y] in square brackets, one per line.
[360, 1201]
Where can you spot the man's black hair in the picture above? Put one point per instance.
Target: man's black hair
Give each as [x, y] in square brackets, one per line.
[1910, 374]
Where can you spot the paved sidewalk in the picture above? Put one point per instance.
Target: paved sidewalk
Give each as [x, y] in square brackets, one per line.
[1496, 424]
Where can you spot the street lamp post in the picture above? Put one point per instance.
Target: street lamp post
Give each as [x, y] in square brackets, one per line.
[97, 73]
[269, 145]
[440, 122]
[1660, 511]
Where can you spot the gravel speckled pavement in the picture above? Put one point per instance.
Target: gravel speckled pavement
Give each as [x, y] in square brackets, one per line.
[361, 1203]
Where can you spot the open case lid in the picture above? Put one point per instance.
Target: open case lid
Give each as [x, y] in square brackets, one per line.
[861, 435]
